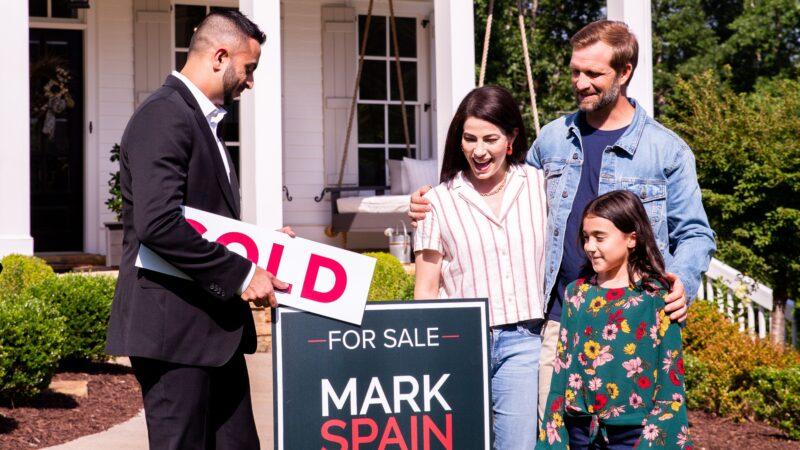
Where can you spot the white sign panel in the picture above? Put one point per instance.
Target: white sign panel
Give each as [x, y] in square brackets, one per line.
[324, 280]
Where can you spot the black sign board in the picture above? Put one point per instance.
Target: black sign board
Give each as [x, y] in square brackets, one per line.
[414, 376]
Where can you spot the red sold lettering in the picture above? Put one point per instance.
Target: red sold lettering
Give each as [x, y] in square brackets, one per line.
[314, 265]
[234, 237]
[274, 263]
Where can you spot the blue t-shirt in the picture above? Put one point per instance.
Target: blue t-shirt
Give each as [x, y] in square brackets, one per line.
[594, 143]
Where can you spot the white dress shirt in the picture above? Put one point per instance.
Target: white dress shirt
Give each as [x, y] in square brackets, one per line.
[214, 116]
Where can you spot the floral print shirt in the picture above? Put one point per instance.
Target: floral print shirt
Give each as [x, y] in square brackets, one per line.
[619, 362]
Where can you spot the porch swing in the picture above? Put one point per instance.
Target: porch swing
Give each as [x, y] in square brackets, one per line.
[376, 213]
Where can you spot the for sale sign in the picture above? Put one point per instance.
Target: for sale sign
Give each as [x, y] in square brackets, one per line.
[323, 279]
[414, 376]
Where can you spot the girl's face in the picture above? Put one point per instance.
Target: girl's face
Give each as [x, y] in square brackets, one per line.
[484, 145]
[606, 246]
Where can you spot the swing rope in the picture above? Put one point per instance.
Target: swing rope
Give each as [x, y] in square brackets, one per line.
[354, 98]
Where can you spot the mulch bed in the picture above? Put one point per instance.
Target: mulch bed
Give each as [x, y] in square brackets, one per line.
[52, 418]
[114, 397]
[712, 433]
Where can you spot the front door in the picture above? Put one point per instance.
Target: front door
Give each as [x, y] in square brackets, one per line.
[57, 103]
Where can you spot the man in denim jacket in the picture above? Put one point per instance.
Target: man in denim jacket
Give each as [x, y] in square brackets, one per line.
[611, 143]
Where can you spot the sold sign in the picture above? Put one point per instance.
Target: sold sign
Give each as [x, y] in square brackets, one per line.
[334, 282]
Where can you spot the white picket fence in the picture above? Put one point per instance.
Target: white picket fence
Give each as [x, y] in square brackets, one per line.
[744, 300]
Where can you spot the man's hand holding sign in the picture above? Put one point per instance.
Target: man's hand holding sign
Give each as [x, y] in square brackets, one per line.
[290, 271]
[261, 290]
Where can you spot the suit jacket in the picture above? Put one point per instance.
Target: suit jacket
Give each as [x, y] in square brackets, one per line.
[169, 158]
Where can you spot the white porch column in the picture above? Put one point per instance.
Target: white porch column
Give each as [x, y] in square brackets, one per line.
[455, 62]
[15, 193]
[636, 13]
[261, 125]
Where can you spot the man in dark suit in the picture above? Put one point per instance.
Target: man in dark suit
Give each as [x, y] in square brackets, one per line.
[187, 339]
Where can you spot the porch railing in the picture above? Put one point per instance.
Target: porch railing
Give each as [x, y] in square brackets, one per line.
[744, 300]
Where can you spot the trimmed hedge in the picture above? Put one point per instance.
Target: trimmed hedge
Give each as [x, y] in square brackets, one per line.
[31, 340]
[390, 281]
[85, 303]
[20, 271]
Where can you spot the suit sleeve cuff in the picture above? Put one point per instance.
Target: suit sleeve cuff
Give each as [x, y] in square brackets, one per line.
[247, 280]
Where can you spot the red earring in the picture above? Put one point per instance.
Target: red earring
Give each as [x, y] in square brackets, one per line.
[509, 150]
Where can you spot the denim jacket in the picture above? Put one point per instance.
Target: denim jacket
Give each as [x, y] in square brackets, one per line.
[648, 160]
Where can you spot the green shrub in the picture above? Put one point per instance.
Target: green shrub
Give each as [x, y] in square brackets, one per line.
[775, 397]
[21, 271]
[390, 281]
[85, 303]
[721, 363]
[31, 339]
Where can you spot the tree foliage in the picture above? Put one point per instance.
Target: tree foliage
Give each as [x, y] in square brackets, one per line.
[556, 22]
[748, 161]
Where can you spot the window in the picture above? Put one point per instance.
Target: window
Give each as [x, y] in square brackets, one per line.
[380, 118]
[187, 18]
[54, 9]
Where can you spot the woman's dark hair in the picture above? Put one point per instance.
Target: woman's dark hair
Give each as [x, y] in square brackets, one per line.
[492, 104]
[626, 212]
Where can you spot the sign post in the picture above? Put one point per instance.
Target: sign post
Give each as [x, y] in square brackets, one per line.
[414, 376]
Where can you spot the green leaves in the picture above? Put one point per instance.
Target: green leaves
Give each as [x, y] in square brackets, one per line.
[389, 281]
[748, 160]
[85, 302]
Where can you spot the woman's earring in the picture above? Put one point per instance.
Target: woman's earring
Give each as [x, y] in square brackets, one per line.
[509, 150]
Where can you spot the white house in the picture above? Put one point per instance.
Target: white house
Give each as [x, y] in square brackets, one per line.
[287, 132]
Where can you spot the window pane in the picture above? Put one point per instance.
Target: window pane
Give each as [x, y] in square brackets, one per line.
[223, 8]
[371, 167]
[61, 8]
[37, 8]
[406, 37]
[409, 70]
[376, 41]
[373, 81]
[229, 127]
[396, 124]
[187, 18]
[400, 153]
[370, 124]
[180, 60]
[233, 150]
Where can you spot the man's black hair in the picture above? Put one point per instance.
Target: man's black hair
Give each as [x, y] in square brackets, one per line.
[225, 22]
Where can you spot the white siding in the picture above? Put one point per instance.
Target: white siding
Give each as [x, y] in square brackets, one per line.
[303, 156]
[115, 96]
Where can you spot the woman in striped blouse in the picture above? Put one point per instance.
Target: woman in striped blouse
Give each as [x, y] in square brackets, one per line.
[484, 238]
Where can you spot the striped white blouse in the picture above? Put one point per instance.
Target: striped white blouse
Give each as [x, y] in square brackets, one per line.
[501, 258]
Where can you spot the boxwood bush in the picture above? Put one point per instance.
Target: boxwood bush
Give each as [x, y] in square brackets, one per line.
[85, 303]
[390, 281]
[31, 340]
[776, 398]
[21, 271]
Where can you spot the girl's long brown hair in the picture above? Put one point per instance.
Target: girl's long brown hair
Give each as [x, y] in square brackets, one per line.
[626, 212]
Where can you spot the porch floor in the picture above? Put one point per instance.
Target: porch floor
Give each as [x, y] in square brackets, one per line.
[74, 261]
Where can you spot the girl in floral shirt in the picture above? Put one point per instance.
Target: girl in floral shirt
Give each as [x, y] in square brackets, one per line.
[618, 377]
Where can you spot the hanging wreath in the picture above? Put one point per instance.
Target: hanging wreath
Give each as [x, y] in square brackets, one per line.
[54, 97]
